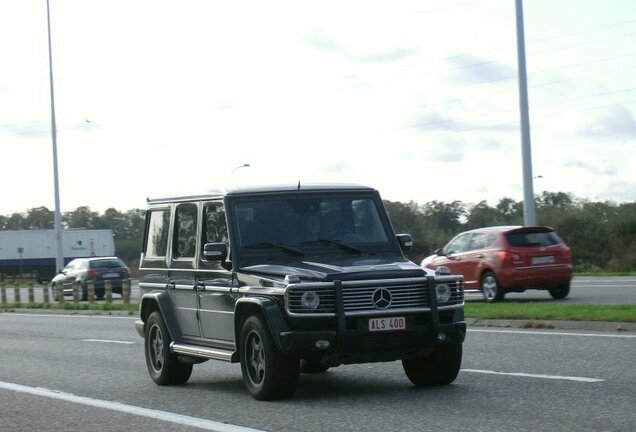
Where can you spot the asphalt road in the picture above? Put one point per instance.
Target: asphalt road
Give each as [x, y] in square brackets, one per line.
[79, 373]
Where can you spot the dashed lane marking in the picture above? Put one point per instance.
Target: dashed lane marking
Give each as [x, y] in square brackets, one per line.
[528, 375]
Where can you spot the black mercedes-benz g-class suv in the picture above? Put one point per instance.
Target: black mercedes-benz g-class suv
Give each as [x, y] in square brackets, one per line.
[287, 280]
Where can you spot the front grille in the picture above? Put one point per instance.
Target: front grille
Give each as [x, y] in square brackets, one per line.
[371, 297]
[402, 296]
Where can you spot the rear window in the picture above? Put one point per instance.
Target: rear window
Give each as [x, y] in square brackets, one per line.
[532, 239]
[112, 263]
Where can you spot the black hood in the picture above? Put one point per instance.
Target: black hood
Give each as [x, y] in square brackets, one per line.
[350, 270]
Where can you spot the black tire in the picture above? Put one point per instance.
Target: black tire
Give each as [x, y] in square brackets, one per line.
[439, 368]
[490, 288]
[560, 292]
[164, 366]
[267, 373]
[312, 366]
[84, 293]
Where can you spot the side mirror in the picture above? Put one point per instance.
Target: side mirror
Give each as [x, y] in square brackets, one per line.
[406, 242]
[215, 252]
[439, 252]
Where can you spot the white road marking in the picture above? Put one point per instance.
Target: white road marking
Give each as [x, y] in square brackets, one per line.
[542, 376]
[109, 341]
[553, 333]
[128, 409]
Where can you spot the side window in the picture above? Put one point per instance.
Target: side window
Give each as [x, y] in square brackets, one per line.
[185, 231]
[479, 241]
[214, 231]
[214, 226]
[460, 244]
[157, 238]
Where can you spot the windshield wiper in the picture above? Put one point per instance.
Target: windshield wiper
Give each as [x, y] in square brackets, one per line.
[344, 246]
[265, 245]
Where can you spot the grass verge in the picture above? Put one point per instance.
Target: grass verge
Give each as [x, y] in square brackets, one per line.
[131, 308]
[551, 311]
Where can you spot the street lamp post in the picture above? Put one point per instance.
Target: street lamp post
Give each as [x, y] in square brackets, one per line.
[59, 256]
[245, 165]
[529, 216]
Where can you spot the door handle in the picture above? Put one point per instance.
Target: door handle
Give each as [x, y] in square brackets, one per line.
[171, 285]
[199, 287]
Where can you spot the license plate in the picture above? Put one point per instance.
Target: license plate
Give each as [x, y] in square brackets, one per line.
[387, 324]
[543, 260]
[110, 275]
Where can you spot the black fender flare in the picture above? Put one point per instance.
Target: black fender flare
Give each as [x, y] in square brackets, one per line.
[270, 311]
[160, 300]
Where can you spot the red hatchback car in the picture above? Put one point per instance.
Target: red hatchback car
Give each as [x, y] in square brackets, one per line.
[502, 259]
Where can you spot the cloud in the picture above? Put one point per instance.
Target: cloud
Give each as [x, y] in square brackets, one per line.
[597, 167]
[471, 69]
[616, 122]
[621, 191]
[325, 42]
[448, 151]
[27, 129]
[435, 121]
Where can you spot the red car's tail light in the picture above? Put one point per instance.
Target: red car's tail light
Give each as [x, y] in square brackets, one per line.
[125, 270]
[567, 252]
[90, 273]
[507, 258]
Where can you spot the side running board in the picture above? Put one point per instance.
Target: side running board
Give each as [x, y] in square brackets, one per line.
[204, 352]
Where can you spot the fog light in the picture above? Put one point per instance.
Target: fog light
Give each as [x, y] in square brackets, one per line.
[322, 344]
[441, 337]
[310, 300]
[443, 293]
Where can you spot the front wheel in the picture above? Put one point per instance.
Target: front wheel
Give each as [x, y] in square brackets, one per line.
[267, 373]
[438, 368]
[164, 366]
[490, 288]
[560, 292]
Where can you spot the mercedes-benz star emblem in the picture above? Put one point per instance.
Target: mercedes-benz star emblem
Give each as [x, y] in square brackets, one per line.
[382, 298]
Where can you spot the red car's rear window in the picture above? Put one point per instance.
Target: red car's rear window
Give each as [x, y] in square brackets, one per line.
[532, 239]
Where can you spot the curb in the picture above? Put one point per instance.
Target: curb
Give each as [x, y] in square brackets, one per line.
[606, 326]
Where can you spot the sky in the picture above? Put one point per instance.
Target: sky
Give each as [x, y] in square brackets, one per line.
[418, 99]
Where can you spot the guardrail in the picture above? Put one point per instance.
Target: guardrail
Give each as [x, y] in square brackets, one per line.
[47, 294]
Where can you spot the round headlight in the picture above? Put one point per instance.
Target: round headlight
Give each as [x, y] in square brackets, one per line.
[310, 300]
[443, 293]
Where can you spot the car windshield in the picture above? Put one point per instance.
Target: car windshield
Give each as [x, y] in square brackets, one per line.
[530, 239]
[342, 223]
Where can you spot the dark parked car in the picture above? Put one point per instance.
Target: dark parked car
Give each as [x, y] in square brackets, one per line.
[99, 270]
[504, 259]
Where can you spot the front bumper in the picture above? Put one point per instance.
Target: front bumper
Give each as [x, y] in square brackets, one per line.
[356, 346]
[139, 326]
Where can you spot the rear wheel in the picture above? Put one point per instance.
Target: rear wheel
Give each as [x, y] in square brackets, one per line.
[438, 368]
[560, 292]
[267, 373]
[490, 288]
[164, 366]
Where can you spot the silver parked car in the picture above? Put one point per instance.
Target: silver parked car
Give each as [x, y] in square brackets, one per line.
[99, 270]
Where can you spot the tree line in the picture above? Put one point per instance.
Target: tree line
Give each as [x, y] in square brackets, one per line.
[602, 235]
